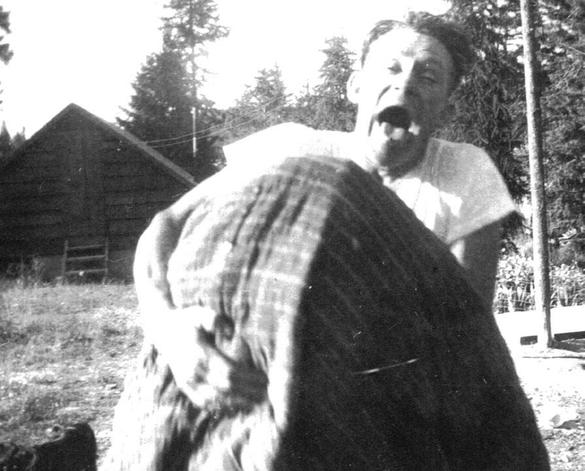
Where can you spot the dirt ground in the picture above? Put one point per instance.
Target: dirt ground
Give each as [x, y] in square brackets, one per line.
[554, 381]
[64, 353]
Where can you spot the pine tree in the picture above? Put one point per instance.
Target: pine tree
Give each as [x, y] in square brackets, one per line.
[487, 107]
[160, 109]
[165, 90]
[562, 48]
[333, 110]
[262, 105]
[5, 52]
[190, 27]
[193, 24]
[18, 139]
[6, 146]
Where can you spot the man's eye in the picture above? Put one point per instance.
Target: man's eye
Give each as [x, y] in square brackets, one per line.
[395, 68]
[428, 77]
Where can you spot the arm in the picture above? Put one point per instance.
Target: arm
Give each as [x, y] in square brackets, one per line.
[478, 253]
[160, 318]
[154, 249]
[176, 333]
[180, 334]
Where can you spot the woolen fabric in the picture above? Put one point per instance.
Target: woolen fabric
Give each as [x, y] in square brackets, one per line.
[369, 349]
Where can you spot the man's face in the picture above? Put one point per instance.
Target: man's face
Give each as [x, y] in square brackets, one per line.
[401, 92]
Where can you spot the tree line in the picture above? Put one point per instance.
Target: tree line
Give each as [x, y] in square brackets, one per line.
[165, 94]
[487, 110]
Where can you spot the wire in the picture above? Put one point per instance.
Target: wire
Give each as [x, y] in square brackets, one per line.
[169, 138]
[216, 129]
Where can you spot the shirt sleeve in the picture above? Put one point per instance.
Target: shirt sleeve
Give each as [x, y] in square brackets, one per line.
[469, 174]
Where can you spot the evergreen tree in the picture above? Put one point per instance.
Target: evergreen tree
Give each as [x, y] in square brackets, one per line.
[262, 105]
[6, 146]
[5, 52]
[191, 25]
[326, 106]
[562, 49]
[486, 108]
[18, 139]
[489, 109]
[165, 90]
[332, 108]
[160, 109]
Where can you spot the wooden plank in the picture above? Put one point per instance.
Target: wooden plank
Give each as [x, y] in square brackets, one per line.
[47, 155]
[123, 169]
[163, 196]
[10, 250]
[135, 183]
[45, 188]
[94, 182]
[127, 226]
[28, 166]
[133, 211]
[138, 168]
[123, 156]
[28, 232]
[32, 219]
[123, 242]
[32, 174]
[518, 326]
[32, 204]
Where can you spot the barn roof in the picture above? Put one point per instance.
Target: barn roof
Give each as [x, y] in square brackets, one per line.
[148, 152]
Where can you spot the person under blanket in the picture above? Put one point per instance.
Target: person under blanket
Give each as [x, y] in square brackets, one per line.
[407, 74]
[333, 331]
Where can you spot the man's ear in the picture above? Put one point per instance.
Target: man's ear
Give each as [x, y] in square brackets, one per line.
[353, 86]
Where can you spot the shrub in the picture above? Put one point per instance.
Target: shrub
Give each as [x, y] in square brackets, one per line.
[515, 284]
[568, 285]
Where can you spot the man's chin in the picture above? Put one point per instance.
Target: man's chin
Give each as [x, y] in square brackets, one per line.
[395, 160]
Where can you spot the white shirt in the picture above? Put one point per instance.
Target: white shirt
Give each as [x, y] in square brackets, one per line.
[454, 191]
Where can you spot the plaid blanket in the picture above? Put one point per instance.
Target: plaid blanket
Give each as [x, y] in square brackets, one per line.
[369, 348]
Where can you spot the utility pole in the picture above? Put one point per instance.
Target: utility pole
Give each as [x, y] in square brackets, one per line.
[537, 193]
[194, 105]
[193, 76]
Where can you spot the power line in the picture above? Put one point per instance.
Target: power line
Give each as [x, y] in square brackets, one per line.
[215, 129]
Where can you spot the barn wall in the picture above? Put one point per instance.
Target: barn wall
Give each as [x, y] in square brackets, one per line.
[80, 181]
[33, 199]
[135, 189]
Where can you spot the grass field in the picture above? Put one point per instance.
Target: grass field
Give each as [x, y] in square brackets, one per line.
[64, 351]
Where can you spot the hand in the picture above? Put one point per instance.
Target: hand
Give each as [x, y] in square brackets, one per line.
[185, 341]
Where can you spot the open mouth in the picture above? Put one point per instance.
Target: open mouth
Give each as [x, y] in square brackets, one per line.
[396, 116]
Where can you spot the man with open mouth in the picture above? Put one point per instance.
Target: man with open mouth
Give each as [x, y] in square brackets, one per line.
[407, 74]
[408, 71]
[402, 89]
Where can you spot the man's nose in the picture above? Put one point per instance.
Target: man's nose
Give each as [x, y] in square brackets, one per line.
[402, 83]
[398, 89]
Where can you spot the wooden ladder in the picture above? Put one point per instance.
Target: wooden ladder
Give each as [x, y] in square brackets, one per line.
[85, 260]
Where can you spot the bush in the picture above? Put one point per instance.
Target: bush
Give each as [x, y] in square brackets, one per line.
[515, 284]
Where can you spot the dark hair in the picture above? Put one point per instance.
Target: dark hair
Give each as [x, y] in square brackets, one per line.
[450, 34]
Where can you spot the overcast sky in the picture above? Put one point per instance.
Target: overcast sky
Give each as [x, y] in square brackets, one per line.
[89, 51]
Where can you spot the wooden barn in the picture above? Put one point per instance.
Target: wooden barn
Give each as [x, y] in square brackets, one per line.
[77, 195]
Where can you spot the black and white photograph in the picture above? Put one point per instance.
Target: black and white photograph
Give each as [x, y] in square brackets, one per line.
[277, 235]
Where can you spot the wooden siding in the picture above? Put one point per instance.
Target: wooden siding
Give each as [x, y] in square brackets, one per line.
[80, 180]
